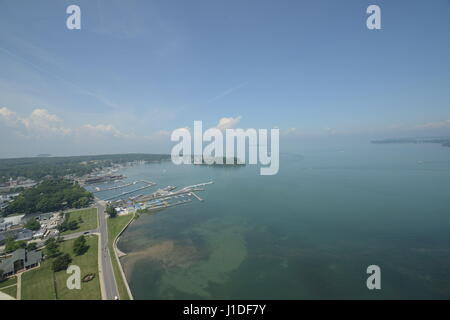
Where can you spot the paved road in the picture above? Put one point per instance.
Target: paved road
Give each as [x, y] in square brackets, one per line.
[107, 273]
[77, 234]
[107, 270]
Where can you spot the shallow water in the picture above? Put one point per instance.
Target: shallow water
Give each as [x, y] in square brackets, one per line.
[309, 232]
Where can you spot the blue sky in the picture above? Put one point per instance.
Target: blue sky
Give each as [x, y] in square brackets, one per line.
[139, 69]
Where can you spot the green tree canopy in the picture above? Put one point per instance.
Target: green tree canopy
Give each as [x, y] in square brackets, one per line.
[68, 225]
[61, 262]
[52, 248]
[50, 195]
[32, 224]
[31, 246]
[11, 245]
[111, 211]
[80, 246]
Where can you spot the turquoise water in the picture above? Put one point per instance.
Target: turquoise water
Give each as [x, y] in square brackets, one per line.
[309, 232]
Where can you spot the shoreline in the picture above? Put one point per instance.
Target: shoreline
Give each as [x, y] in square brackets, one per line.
[117, 252]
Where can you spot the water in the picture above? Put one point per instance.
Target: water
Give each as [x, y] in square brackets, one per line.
[309, 232]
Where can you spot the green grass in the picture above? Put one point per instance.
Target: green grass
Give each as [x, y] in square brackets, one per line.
[8, 282]
[88, 217]
[44, 284]
[88, 263]
[115, 225]
[37, 284]
[5, 286]
[12, 291]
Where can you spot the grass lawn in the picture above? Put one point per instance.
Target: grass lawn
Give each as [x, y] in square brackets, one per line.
[88, 263]
[115, 225]
[44, 284]
[88, 218]
[8, 282]
[37, 284]
[12, 291]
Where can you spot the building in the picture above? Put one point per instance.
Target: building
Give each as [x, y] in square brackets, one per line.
[20, 259]
[40, 233]
[44, 217]
[13, 220]
[3, 225]
[24, 235]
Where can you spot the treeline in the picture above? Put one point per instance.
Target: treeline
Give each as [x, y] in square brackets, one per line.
[50, 195]
[40, 167]
[441, 141]
[215, 161]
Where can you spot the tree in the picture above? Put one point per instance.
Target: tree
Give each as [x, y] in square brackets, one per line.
[32, 224]
[31, 246]
[50, 195]
[11, 245]
[61, 262]
[80, 246]
[72, 225]
[51, 248]
[111, 211]
[68, 225]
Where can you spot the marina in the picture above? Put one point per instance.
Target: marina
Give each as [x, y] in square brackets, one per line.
[125, 202]
[149, 184]
[162, 198]
[129, 192]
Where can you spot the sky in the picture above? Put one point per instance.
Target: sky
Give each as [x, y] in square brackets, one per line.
[137, 70]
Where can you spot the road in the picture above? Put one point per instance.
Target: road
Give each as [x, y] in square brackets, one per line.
[111, 291]
[78, 234]
[107, 271]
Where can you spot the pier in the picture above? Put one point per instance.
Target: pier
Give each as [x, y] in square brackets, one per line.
[195, 195]
[113, 188]
[198, 185]
[149, 183]
[168, 205]
[129, 192]
[166, 195]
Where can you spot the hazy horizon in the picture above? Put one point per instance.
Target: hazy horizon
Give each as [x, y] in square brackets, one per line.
[136, 72]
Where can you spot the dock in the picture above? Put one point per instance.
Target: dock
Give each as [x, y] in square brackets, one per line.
[149, 184]
[195, 195]
[113, 188]
[167, 195]
[168, 205]
[125, 193]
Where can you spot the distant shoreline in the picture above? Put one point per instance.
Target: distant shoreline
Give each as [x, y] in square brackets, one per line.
[445, 142]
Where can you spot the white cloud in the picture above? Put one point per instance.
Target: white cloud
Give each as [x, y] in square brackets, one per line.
[100, 130]
[228, 123]
[330, 131]
[292, 131]
[42, 123]
[435, 125]
[6, 113]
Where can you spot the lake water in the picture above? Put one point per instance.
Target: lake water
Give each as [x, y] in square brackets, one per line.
[309, 232]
